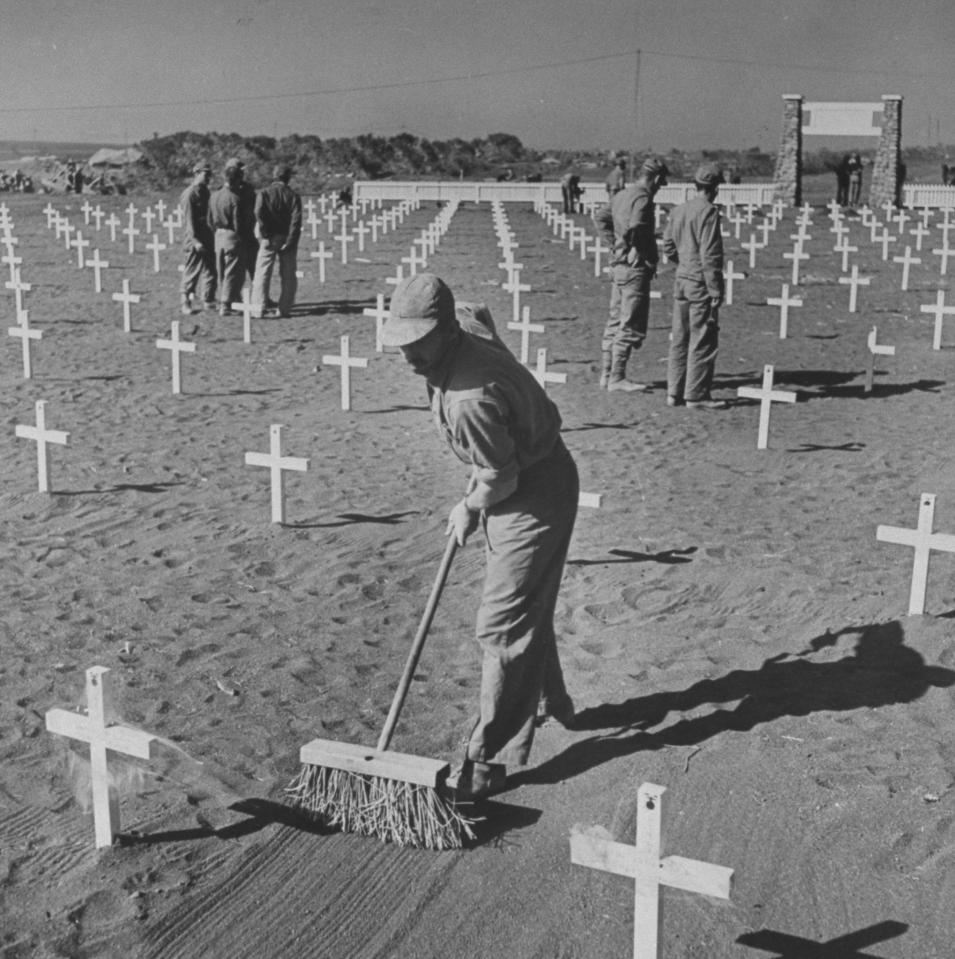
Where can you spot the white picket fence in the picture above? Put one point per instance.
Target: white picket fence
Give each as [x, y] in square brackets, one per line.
[933, 195]
[486, 191]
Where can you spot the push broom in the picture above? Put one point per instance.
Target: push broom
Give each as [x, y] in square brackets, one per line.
[377, 792]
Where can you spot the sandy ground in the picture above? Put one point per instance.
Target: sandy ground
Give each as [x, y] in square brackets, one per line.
[730, 627]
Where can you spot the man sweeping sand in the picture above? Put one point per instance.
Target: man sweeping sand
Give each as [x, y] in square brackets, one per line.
[524, 489]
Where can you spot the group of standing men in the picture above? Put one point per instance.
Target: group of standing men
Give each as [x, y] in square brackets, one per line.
[693, 241]
[237, 232]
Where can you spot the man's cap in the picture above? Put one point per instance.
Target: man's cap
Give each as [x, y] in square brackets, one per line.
[202, 166]
[708, 175]
[653, 166]
[419, 304]
[282, 171]
[234, 164]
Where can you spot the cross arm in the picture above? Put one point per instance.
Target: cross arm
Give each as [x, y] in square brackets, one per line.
[119, 739]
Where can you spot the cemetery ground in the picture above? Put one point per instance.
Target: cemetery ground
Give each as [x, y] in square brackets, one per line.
[730, 627]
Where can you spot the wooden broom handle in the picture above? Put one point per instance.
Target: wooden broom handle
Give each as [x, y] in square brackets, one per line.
[412, 664]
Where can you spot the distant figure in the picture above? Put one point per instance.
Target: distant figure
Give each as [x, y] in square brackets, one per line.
[617, 178]
[693, 240]
[227, 219]
[534, 178]
[855, 179]
[74, 178]
[842, 181]
[571, 190]
[278, 226]
[199, 243]
[946, 172]
[506, 176]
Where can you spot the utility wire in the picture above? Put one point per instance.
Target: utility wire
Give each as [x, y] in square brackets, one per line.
[464, 77]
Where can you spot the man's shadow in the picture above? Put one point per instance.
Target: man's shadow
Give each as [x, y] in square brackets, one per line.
[880, 671]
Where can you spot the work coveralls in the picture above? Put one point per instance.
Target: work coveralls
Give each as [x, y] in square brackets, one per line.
[694, 240]
[231, 247]
[627, 225]
[200, 267]
[278, 225]
[497, 419]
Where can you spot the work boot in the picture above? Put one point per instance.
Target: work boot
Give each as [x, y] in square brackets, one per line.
[618, 382]
[187, 308]
[474, 780]
[606, 359]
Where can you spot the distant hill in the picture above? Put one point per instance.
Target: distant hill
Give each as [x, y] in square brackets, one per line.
[12, 150]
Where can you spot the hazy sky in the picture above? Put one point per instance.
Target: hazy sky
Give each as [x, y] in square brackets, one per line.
[553, 72]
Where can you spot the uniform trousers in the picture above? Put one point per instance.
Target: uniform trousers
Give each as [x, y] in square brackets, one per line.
[694, 341]
[199, 274]
[626, 327]
[230, 264]
[527, 540]
[269, 251]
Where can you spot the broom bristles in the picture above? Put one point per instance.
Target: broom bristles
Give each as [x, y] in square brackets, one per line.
[406, 814]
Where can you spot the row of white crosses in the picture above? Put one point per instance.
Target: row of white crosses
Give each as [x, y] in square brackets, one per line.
[23, 331]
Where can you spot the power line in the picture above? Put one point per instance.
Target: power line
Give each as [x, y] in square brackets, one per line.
[467, 77]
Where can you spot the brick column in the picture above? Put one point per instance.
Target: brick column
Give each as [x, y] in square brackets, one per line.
[886, 171]
[787, 180]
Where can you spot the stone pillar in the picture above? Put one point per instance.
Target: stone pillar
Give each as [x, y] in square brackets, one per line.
[887, 171]
[787, 180]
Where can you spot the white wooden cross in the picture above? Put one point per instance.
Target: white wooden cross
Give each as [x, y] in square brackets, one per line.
[525, 328]
[313, 220]
[346, 362]
[845, 249]
[97, 265]
[80, 244]
[176, 346]
[126, 298]
[875, 349]
[597, 249]
[901, 219]
[398, 277]
[380, 314]
[67, 229]
[766, 394]
[796, 255]
[542, 375]
[515, 289]
[132, 233]
[321, 254]
[50, 211]
[885, 240]
[412, 260]
[156, 247]
[112, 221]
[940, 310]
[170, 224]
[512, 268]
[87, 209]
[104, 737]
[42, 436]
[131, 212]
[98, 215]
[161, 207]
[23, 330]
[277, 464]
[752, 246]
[19, 288]
[361, 231]
[737, 219]
[14, 261]
[854, 281]
[919, 232]
[643, 863]
[148, 215]
[944, 252]
[924, 541]
[245, 308]
[730, 276]
[344, 239]
[784, 302]
[906, 262]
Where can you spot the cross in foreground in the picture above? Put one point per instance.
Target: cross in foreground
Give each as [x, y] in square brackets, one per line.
[176, 346]
[346, 362]
[103, 737]
[784, 302]
[277, 464]
[23, 330]
[42, 436]
[126, 298]
[940, 310]
[924, 541]
[765, 395]
[643, 864]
